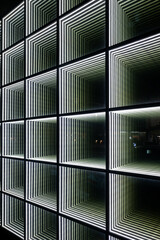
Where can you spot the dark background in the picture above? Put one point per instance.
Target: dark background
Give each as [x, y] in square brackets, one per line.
[8, 5]
[4, 234]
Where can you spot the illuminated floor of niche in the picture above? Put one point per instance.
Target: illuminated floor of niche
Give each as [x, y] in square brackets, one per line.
[88, 162]
[48, 200]
[148, 168]
[49, 158]
[140, 224]
[90, 211]
[18, 191]
[15, 156]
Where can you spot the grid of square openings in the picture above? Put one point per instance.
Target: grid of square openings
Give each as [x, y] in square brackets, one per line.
[134, 149]
[54, 120]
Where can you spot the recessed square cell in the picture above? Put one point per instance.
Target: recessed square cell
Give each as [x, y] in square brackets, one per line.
[83, 140]
[82, 85]
[41, 139]
[135, 141]
[13, 101]
[13, 139]
[13, 64]
[134, 73]
[134, 207]
[13, 177]
[83, 31]
[44, 222]
[41, 184]
[41, 94]
[82, 195]
[128, 19]
[13, 26]
[39, 13]
[13, 215]
[41, 50]
[69, 229]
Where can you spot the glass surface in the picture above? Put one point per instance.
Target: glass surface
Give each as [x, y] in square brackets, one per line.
[44, 222]
[13, 101]
[83, 195]
[39, 13]
[13, 221]
[41, 139]
[13, 139]
[41, 184]
[82, 85]
[41, 50]
[41, 97]
[135, 141]
[129, 19]
[13, 177]
[134, 73]
[13, 64]
[74, 230]
[83, 139]
[134, 207]
[82, 31]
[13, 26]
